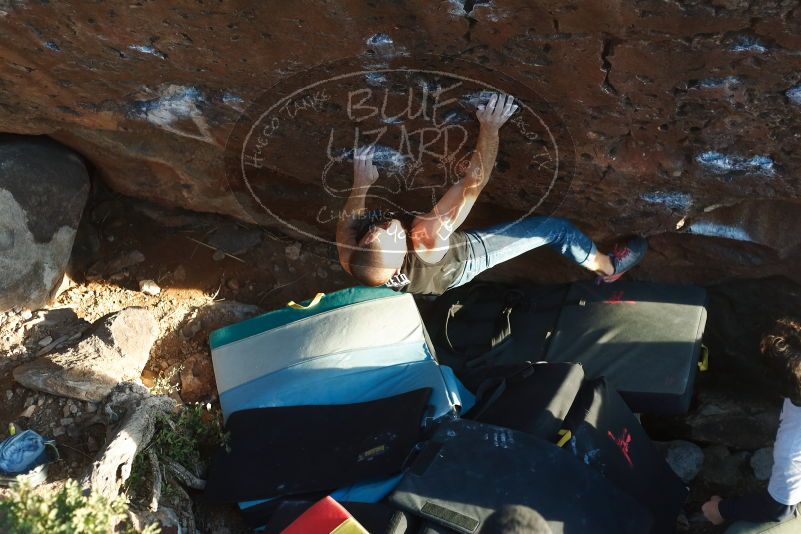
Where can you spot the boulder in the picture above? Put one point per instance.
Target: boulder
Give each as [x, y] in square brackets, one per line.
[115, 350]
[43, 189]
[680, 118]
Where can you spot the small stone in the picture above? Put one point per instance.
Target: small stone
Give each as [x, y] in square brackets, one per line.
[218, 255]
[191, 329]
[41, 401]
[322, 273]
[26, 314]
[29, 401]
[235, 239]
[682, 523]
[149, 287]
[45, 341]
[721, 467]
[9, 394]
[762, 463]
[120, 263]
[66, 411]
[28, 412]
[59, 431]
[292, 251]
[148, 378]
[685, 458]
[73, 409]
[118, 277]
[179, 274]
[66, 421]
[91, 407]
[197, 378]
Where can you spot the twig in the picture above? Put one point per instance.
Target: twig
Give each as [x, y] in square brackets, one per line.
[158, 482]
[276, 288]
[52, 346]
[215, 249]
[183, 475]
[214, 296]
[76, 450]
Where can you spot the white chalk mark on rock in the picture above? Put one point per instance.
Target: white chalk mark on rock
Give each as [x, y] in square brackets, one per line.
[176, 102]
[712, 229]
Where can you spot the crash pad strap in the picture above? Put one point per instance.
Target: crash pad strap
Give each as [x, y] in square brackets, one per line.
[314, 302]
[282, 316]
[565, 437]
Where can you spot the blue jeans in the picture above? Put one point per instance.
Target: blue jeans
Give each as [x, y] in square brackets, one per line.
[487, 247]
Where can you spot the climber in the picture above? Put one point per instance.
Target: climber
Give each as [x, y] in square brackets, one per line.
[781, 350]
[426, 254]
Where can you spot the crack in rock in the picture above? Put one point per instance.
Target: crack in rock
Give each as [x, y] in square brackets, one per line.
[606, 66]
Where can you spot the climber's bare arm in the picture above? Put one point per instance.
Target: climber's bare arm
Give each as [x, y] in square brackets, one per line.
[435, 227]
[364, 175]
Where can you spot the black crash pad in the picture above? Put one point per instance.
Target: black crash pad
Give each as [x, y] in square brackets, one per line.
[644, 338]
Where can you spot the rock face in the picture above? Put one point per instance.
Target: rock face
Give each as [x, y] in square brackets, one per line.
[670, 114]
[43, 189]
[115, 350]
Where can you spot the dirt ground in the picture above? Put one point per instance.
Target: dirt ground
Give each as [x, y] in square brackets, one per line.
[211, 271]
[122, 242]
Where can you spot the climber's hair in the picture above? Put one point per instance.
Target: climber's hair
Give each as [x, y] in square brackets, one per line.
[365, 264]
[781, 348]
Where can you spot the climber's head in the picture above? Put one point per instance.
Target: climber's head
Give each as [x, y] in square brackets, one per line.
[380, 253]
[781, 348]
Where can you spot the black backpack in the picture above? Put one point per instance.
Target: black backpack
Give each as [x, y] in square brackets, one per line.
[606, 436]
[486, 324]
[530, 397]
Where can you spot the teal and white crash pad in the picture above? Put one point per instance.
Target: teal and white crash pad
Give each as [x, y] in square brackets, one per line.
[355, 345]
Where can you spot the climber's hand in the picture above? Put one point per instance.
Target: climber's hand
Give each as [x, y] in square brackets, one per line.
[711, 510]
[364, 172]
[496, 112]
